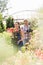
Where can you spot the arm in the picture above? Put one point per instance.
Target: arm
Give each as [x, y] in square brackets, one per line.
[22, 35]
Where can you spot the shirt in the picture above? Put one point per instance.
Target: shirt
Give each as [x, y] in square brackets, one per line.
[25, 28]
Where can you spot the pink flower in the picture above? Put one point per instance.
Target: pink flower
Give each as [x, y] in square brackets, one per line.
[38, 52]
[41, 56]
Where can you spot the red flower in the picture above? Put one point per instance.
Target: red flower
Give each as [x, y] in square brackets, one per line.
[10, 30]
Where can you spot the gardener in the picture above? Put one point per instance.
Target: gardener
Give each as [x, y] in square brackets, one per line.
[18, 35]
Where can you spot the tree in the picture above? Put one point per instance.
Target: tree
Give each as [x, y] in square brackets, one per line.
[3, 4]
[1, 23]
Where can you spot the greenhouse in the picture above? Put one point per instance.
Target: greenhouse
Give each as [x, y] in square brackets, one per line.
[21, 32]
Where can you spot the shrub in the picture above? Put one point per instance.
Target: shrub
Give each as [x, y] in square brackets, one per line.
[9, 22]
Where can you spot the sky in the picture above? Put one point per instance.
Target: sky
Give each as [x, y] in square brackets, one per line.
[18, 5]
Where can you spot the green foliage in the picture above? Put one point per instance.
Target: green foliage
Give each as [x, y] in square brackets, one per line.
[1, 17]
[34, 24]
[9, 22]
[6, 49]
[28, 47]
[1, 23]
[1, 26]
[23, 49]
[7, 37]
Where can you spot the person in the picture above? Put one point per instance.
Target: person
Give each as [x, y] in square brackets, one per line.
[26, 28]
[18, 35]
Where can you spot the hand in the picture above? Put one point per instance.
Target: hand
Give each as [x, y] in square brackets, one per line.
[18, 42]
